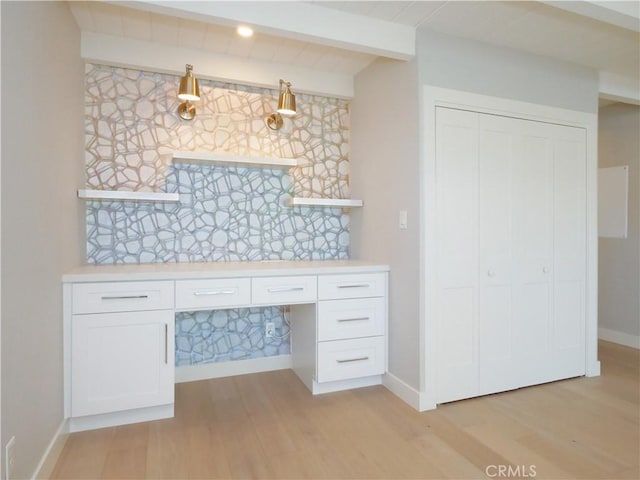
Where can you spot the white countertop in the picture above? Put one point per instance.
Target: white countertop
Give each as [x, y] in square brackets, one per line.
[177, 271]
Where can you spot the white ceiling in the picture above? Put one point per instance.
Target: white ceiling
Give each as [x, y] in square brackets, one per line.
[120, 21]
[533, 27]
[529, 26]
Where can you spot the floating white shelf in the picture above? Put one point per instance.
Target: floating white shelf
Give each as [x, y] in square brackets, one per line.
[230, 159]
[325, 202]
[124, 195]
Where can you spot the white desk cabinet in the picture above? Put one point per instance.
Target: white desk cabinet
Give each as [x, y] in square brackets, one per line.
[119, 329]
[346, 346]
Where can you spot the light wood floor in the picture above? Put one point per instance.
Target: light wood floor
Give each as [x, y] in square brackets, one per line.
[269, 426]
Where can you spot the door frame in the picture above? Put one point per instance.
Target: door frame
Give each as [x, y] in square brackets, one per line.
[433, 97]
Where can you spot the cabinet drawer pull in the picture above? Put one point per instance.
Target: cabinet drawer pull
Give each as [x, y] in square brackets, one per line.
[166, 343]
[124, 297]
[215, 292]
[355, 319]
[284, 289]
[349, 360]
[355, 285]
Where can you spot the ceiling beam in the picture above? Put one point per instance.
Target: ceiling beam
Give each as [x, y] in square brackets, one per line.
[622, 14]
[619, 88]
[298, 21]
[155, 57]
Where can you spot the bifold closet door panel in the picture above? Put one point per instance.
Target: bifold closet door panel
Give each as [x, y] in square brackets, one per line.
[569, 252]
[457, 268]
[533, 252]
[500, 145]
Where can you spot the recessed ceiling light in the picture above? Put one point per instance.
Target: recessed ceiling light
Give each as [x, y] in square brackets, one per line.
[245, 31]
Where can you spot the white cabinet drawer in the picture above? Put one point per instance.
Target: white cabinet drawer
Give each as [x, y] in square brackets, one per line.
[334, 287]
[283, 290]
[344, 359]
[214, 293]
[122, 297]
[342, 319]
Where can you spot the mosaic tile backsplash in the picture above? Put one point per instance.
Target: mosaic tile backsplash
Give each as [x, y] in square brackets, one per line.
[224, 213]
[223, 335]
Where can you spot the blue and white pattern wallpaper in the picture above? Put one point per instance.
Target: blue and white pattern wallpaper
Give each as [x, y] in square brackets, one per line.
[223, 335]
[224, 213]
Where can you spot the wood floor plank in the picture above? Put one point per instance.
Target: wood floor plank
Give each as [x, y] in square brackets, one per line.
[244, 452]
[448, 460]
[126, 463]
[166, 450]
[205, 455]
[269, 426]
[84, 454]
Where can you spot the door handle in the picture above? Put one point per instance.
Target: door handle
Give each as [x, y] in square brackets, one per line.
[166, 343]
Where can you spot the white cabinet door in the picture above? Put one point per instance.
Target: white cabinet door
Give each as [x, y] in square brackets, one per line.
[121, 361]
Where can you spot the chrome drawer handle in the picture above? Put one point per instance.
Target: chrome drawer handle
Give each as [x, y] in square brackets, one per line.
[359, 359]
[284, 289]
[125, 297]
[166, 343]
[356, 285]
[215, 292]
[356, 319]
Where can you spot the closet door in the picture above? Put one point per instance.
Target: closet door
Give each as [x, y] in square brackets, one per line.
[500, 148]
[533, 253]
[511, 240]
[569, 248]
[457, 244]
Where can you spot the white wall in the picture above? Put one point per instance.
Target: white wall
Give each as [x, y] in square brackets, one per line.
[42, 151]
[619, 259]
[461, 64]
[384, 172]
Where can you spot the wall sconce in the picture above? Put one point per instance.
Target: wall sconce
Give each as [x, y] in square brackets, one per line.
[286, 106]
[189, 91]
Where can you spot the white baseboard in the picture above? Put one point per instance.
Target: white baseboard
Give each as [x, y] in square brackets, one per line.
[206, 371]
[124, 417]
[619, 337]
[52, 453]
[339, 385]
[418, 400]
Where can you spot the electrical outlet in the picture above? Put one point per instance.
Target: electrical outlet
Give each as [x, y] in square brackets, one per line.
[9, 458]
[269, 329]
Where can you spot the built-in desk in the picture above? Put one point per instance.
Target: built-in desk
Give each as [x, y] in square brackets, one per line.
[119, 329]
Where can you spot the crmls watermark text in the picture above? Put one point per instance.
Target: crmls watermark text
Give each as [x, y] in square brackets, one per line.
[510, 471]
